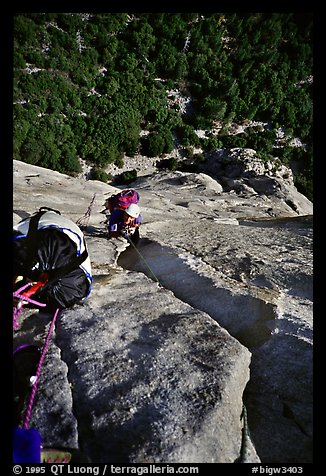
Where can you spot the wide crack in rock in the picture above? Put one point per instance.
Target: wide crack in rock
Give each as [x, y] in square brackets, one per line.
[213, 250]
[255, 323]
[188, 278]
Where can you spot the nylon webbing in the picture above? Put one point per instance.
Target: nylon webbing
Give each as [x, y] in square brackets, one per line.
[31, 241]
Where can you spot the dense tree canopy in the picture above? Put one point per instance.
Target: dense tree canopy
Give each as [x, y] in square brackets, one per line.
[86, 85]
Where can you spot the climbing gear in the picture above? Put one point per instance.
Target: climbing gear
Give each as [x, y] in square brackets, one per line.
[245, 436]
[27, 442]
[25, 361]
[133, 210]
[45, 275]
[38, 372]
[53, 455]
[122, 199]
[142, 257]
[51, 250]
[124, 234]
[21, 298]
[82, 222]
[26, 446]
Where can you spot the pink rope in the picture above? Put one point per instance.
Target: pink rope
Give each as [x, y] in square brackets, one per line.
[23, 287]
[27, 299]
[18, 309]
[38, 372]
[16, 314]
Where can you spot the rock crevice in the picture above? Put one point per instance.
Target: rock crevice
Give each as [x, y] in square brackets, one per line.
[145, 372]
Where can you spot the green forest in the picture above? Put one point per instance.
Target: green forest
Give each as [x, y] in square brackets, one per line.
[89, 85]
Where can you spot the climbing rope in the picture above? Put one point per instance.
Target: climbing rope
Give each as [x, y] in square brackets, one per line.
[38, 372]
[47, 455]
[21, 298]
[142, 257]
[245, 429]
[82, 222]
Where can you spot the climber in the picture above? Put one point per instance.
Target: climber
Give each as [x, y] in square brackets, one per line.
[125, 223]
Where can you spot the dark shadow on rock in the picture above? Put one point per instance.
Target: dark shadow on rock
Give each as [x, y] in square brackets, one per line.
[244, 316]
[22, 214]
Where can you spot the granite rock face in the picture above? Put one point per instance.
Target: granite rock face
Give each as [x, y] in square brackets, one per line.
[212, 310]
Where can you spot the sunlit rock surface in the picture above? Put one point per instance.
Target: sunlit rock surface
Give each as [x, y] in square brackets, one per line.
[212, 310]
